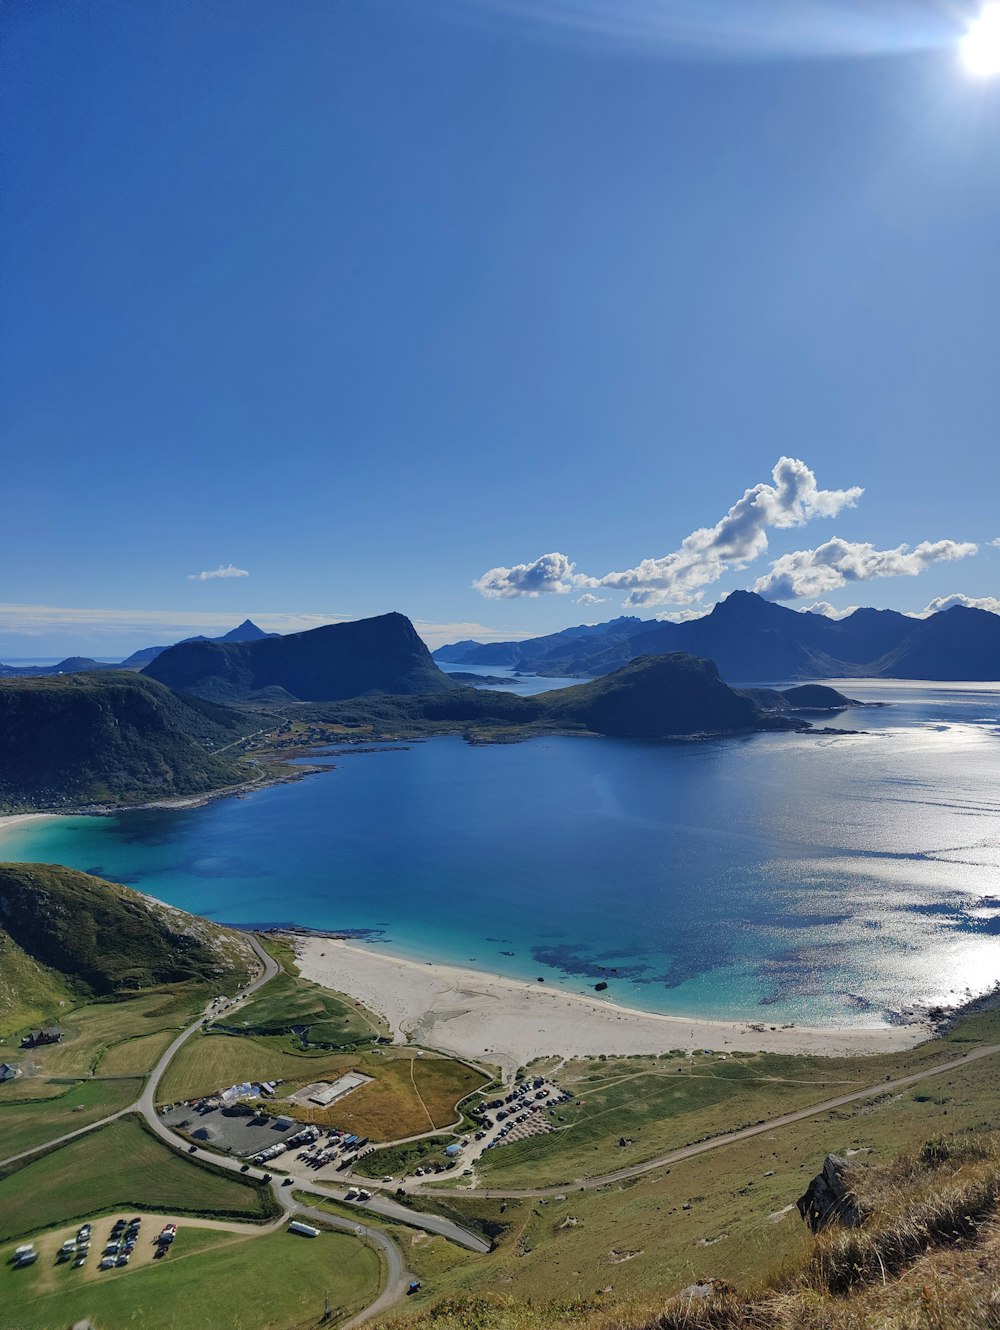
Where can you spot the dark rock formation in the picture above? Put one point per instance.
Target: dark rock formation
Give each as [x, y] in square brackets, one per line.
[337, 661]
[828, 1198]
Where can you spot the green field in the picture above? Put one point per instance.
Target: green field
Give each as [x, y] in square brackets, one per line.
[120, 1165]
[28, 1124]
[408, 1095]
[658, 1104]
[137, 1056]
[328, 1021]
[266, 1282]
[100, 1029]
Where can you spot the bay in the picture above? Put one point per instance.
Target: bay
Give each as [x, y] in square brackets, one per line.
[825, 879]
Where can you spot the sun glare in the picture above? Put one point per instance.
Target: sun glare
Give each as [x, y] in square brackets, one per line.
[981, 45]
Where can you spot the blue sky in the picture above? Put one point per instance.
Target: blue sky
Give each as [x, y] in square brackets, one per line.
[370, 300]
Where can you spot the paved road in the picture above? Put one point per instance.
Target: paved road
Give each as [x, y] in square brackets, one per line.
[145, 1104]
[397, 1276]
[401, 1214]
[717, 1142]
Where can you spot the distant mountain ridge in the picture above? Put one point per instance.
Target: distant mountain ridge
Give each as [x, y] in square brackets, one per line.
[247, 631]
[753, 640]
[337, 661]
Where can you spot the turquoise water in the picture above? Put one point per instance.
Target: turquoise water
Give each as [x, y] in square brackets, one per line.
[824, 879]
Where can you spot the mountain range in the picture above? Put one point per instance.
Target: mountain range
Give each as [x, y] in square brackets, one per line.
[247, 631]
[753, 640]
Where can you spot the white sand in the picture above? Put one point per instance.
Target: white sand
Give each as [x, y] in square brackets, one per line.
[13, 818]
[508, 1022]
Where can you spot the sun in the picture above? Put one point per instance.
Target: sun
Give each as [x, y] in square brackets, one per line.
[981, 44]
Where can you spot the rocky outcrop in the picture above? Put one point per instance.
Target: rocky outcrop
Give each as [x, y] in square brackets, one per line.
[828, 1198]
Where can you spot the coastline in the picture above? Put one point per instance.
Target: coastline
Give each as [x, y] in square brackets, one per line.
[490, 1018]
[9, 820]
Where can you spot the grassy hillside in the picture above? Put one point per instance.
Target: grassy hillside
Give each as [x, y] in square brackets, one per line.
[653, 697]
[66, 934]
[110, 737]
[657, 697]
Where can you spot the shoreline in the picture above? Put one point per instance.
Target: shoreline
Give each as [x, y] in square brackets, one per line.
[9, 820]
[485, 1017]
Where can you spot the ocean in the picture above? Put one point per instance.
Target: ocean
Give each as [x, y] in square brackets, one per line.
[826, 879]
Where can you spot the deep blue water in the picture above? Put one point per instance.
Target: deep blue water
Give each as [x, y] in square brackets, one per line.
[814, 878]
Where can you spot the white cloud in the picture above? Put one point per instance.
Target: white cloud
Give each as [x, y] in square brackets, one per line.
[588, 598]
[223, 570]
[549, 573]
[990, 603]
[684, 615]
[827, 610]
[996, 543]
[839, 562]
[703, 557]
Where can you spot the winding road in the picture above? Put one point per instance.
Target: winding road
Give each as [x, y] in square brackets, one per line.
[397, 1277]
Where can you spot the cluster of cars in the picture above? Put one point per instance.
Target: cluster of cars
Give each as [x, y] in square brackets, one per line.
[358, 1194]
[528, 1097]
[338, 1144]
[76, 1249]
[121, 1244]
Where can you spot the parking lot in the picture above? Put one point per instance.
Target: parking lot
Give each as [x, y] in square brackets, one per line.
[231, 1133]
[99, 1249]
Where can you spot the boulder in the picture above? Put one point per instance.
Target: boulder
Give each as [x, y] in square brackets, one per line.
[828, 1198]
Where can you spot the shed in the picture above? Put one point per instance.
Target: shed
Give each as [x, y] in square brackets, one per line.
[453, 1150]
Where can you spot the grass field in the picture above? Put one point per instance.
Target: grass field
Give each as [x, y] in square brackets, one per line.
[120, 1165]
[227, 1282]
[658, 1104]
[25, 1125]
[728, 1213]
[288, 1001]
[209, 1062]
[135, 1057]
[408, 1094]
[92, 1030]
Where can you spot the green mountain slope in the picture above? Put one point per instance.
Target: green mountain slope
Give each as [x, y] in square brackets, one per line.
[90, 738]
[654, 697]
[67, 933]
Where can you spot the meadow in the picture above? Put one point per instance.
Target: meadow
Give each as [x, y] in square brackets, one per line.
[119, 1166]
[629, 1109]
[265, 1282]
[33, 1123]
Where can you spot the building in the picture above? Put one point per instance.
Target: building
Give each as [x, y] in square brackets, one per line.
[7, 1072]
[38, 1038]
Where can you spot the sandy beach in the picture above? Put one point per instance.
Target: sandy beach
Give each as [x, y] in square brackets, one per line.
[509, 1022]
[12, 819]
